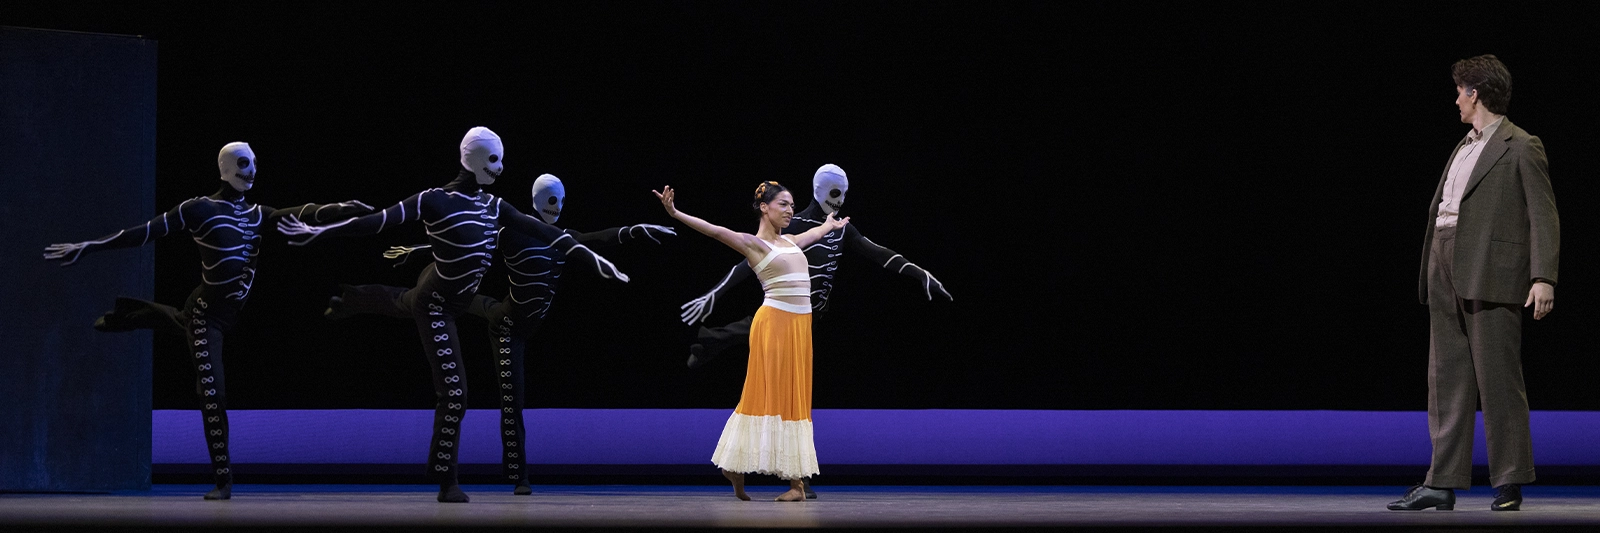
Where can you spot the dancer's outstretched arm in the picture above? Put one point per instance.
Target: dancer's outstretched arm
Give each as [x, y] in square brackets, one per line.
[319, 213]
[744, 243]
[894, 262]
[510, 217]
[700, 308]
[190, 213]
[624, 234]
[407, 210]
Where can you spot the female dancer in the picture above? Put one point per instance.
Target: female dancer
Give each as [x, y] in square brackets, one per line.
[770, 431]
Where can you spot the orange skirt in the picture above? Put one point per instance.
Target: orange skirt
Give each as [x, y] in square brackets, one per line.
[770, 431]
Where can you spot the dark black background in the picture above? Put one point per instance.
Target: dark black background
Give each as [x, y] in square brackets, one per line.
[1136, 205]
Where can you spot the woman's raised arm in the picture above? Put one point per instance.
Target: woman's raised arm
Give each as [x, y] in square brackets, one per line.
[744, 243]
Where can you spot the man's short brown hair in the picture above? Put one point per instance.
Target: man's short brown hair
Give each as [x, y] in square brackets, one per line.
[1489, 77]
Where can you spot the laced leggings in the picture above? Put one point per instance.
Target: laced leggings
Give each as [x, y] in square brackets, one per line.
[510, 326]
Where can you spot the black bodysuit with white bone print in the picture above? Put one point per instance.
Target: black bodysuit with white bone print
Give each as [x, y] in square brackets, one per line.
[227, 229]
[462, 223]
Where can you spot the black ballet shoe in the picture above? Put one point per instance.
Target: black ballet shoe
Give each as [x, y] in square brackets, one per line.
[118, 320]
[696, 355]
[111, 323]
[222, 492]
[1423, 497]
[335, 310]
[523, 489]
[451, 494]
[806, 483]
[1507, 497]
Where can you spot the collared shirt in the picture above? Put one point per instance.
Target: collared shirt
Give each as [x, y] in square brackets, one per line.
[1460, 172]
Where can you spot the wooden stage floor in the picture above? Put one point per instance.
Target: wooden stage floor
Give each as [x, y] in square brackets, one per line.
[849, 507]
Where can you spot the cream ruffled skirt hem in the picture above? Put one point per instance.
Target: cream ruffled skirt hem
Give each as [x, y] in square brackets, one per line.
[767, 445]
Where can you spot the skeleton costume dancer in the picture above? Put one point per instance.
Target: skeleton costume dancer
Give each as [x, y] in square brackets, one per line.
[828, 187]
[462, 222]
[226, 227]
[534, 267]
[770, 431]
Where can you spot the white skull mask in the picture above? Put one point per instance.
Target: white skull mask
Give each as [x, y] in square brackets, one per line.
[237, 163]
[482, 153]
[828, 186]
[548, 196]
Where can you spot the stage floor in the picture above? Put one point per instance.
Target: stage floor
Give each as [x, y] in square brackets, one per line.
[494, 507]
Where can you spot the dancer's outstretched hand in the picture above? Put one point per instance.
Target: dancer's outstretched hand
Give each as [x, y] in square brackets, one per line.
[291, 225]
[395, 252]
[834, 224]
[67, 252]
[932, 284]
[602, 266]
[698, 309]
[666, 196]
[651, 231]
[403, 252]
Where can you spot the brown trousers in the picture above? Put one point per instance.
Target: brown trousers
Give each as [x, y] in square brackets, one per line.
[1474, 355]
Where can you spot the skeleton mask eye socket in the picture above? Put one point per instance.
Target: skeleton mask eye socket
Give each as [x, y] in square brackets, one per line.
[551, 200]
[835, 193]
[494, 158]
[244, 163]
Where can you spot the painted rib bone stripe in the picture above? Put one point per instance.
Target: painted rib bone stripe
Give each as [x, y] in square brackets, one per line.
[437, 259]
[459, 224]
[447, 218]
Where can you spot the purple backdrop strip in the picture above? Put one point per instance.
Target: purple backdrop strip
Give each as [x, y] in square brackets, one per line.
[861, 436]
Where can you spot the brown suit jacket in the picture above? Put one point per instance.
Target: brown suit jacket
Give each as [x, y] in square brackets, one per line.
[1507, 233]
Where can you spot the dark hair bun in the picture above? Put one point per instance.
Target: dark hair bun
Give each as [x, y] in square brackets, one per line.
[766, 192]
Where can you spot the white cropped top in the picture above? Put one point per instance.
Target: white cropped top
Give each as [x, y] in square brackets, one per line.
[785, 277]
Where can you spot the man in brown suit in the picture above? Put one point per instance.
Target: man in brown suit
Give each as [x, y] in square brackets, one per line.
[1492, 242]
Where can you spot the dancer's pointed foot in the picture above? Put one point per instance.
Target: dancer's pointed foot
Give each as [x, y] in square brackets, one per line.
[335, 310]
[696, 355]
[451, 494]
[738, 484]
[222, 492]
[112, 322]
[523, 489]
[127, 314]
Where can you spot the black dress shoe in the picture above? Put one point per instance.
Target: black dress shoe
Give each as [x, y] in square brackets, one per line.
[805, 482]
[1507, 497]
[1423, 497]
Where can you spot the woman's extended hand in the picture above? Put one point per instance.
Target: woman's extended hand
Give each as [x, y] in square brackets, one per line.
[833, 224]
[665, 194]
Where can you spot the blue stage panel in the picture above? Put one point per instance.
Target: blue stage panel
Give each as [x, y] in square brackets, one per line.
[77, 162]
[871, 437]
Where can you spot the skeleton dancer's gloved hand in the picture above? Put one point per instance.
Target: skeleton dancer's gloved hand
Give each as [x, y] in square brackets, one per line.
[579, 253]
[698, 309]
[930, 284]
[566, 242]
[67, 253]
[646, 231]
